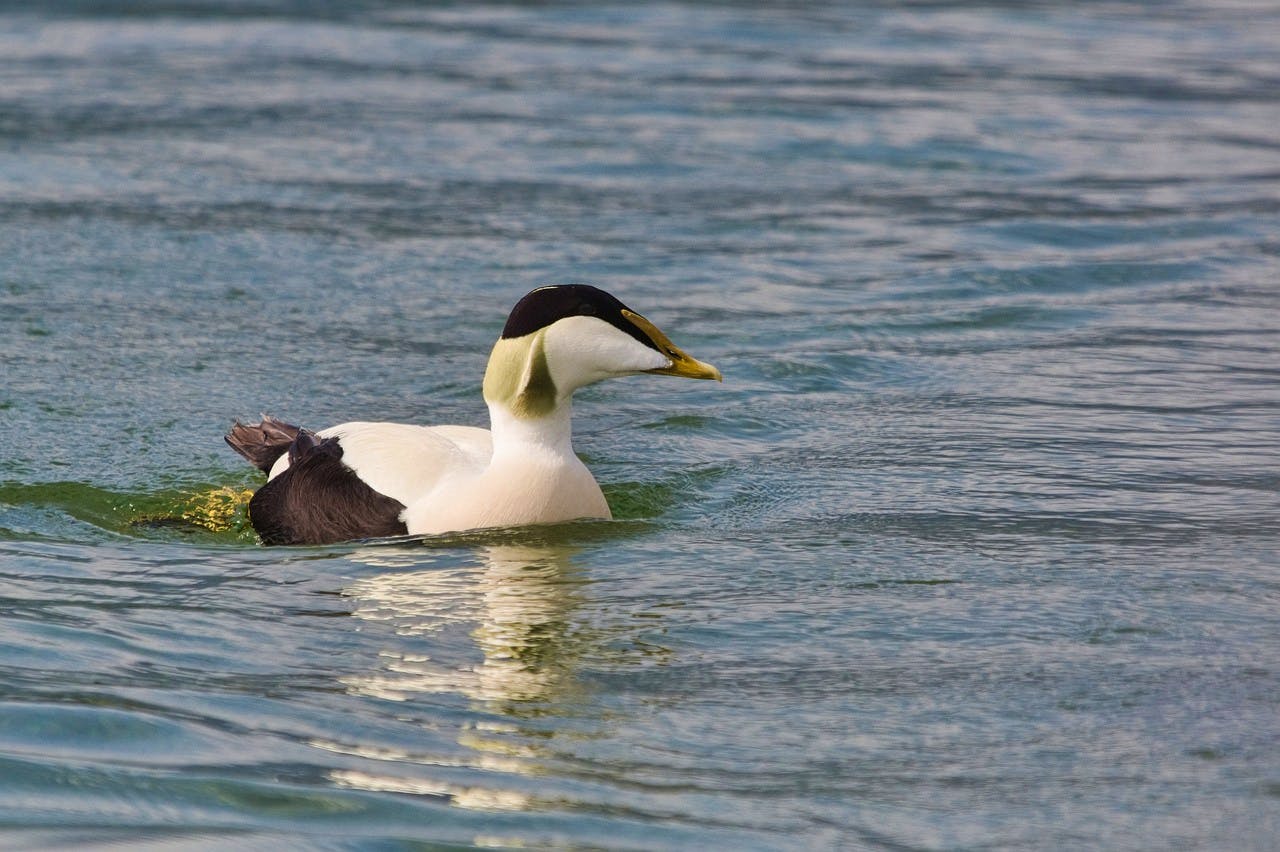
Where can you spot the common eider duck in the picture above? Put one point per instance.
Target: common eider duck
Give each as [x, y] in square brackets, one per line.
[370, 480]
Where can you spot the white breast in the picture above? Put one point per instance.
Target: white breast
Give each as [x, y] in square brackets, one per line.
[516, 489]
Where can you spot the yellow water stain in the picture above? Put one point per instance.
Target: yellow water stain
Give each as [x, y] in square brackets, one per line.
[217, 509]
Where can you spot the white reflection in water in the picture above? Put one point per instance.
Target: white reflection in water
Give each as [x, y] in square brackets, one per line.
[515, 607]
[518, 601]
[471, 797]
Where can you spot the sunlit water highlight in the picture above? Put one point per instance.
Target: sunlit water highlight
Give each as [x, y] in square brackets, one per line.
[975, 547]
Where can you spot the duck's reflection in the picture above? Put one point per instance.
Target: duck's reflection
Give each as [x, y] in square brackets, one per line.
[516, 605]
[497, 632]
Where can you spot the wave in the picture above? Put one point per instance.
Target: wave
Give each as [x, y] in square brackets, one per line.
[75, 511]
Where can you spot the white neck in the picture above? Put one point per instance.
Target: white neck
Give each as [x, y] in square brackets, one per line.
[522, 437]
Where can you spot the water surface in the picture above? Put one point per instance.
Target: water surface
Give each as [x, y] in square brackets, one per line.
[975, 547]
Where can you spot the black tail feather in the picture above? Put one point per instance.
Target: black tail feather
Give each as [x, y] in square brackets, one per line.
[262, 443]
[319, 500]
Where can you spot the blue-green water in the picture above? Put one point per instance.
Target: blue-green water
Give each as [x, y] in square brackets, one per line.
[976, 547]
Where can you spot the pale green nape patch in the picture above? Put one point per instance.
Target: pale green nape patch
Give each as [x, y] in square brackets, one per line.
[519, 378]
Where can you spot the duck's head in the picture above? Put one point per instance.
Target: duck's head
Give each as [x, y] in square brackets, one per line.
[558, 339]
